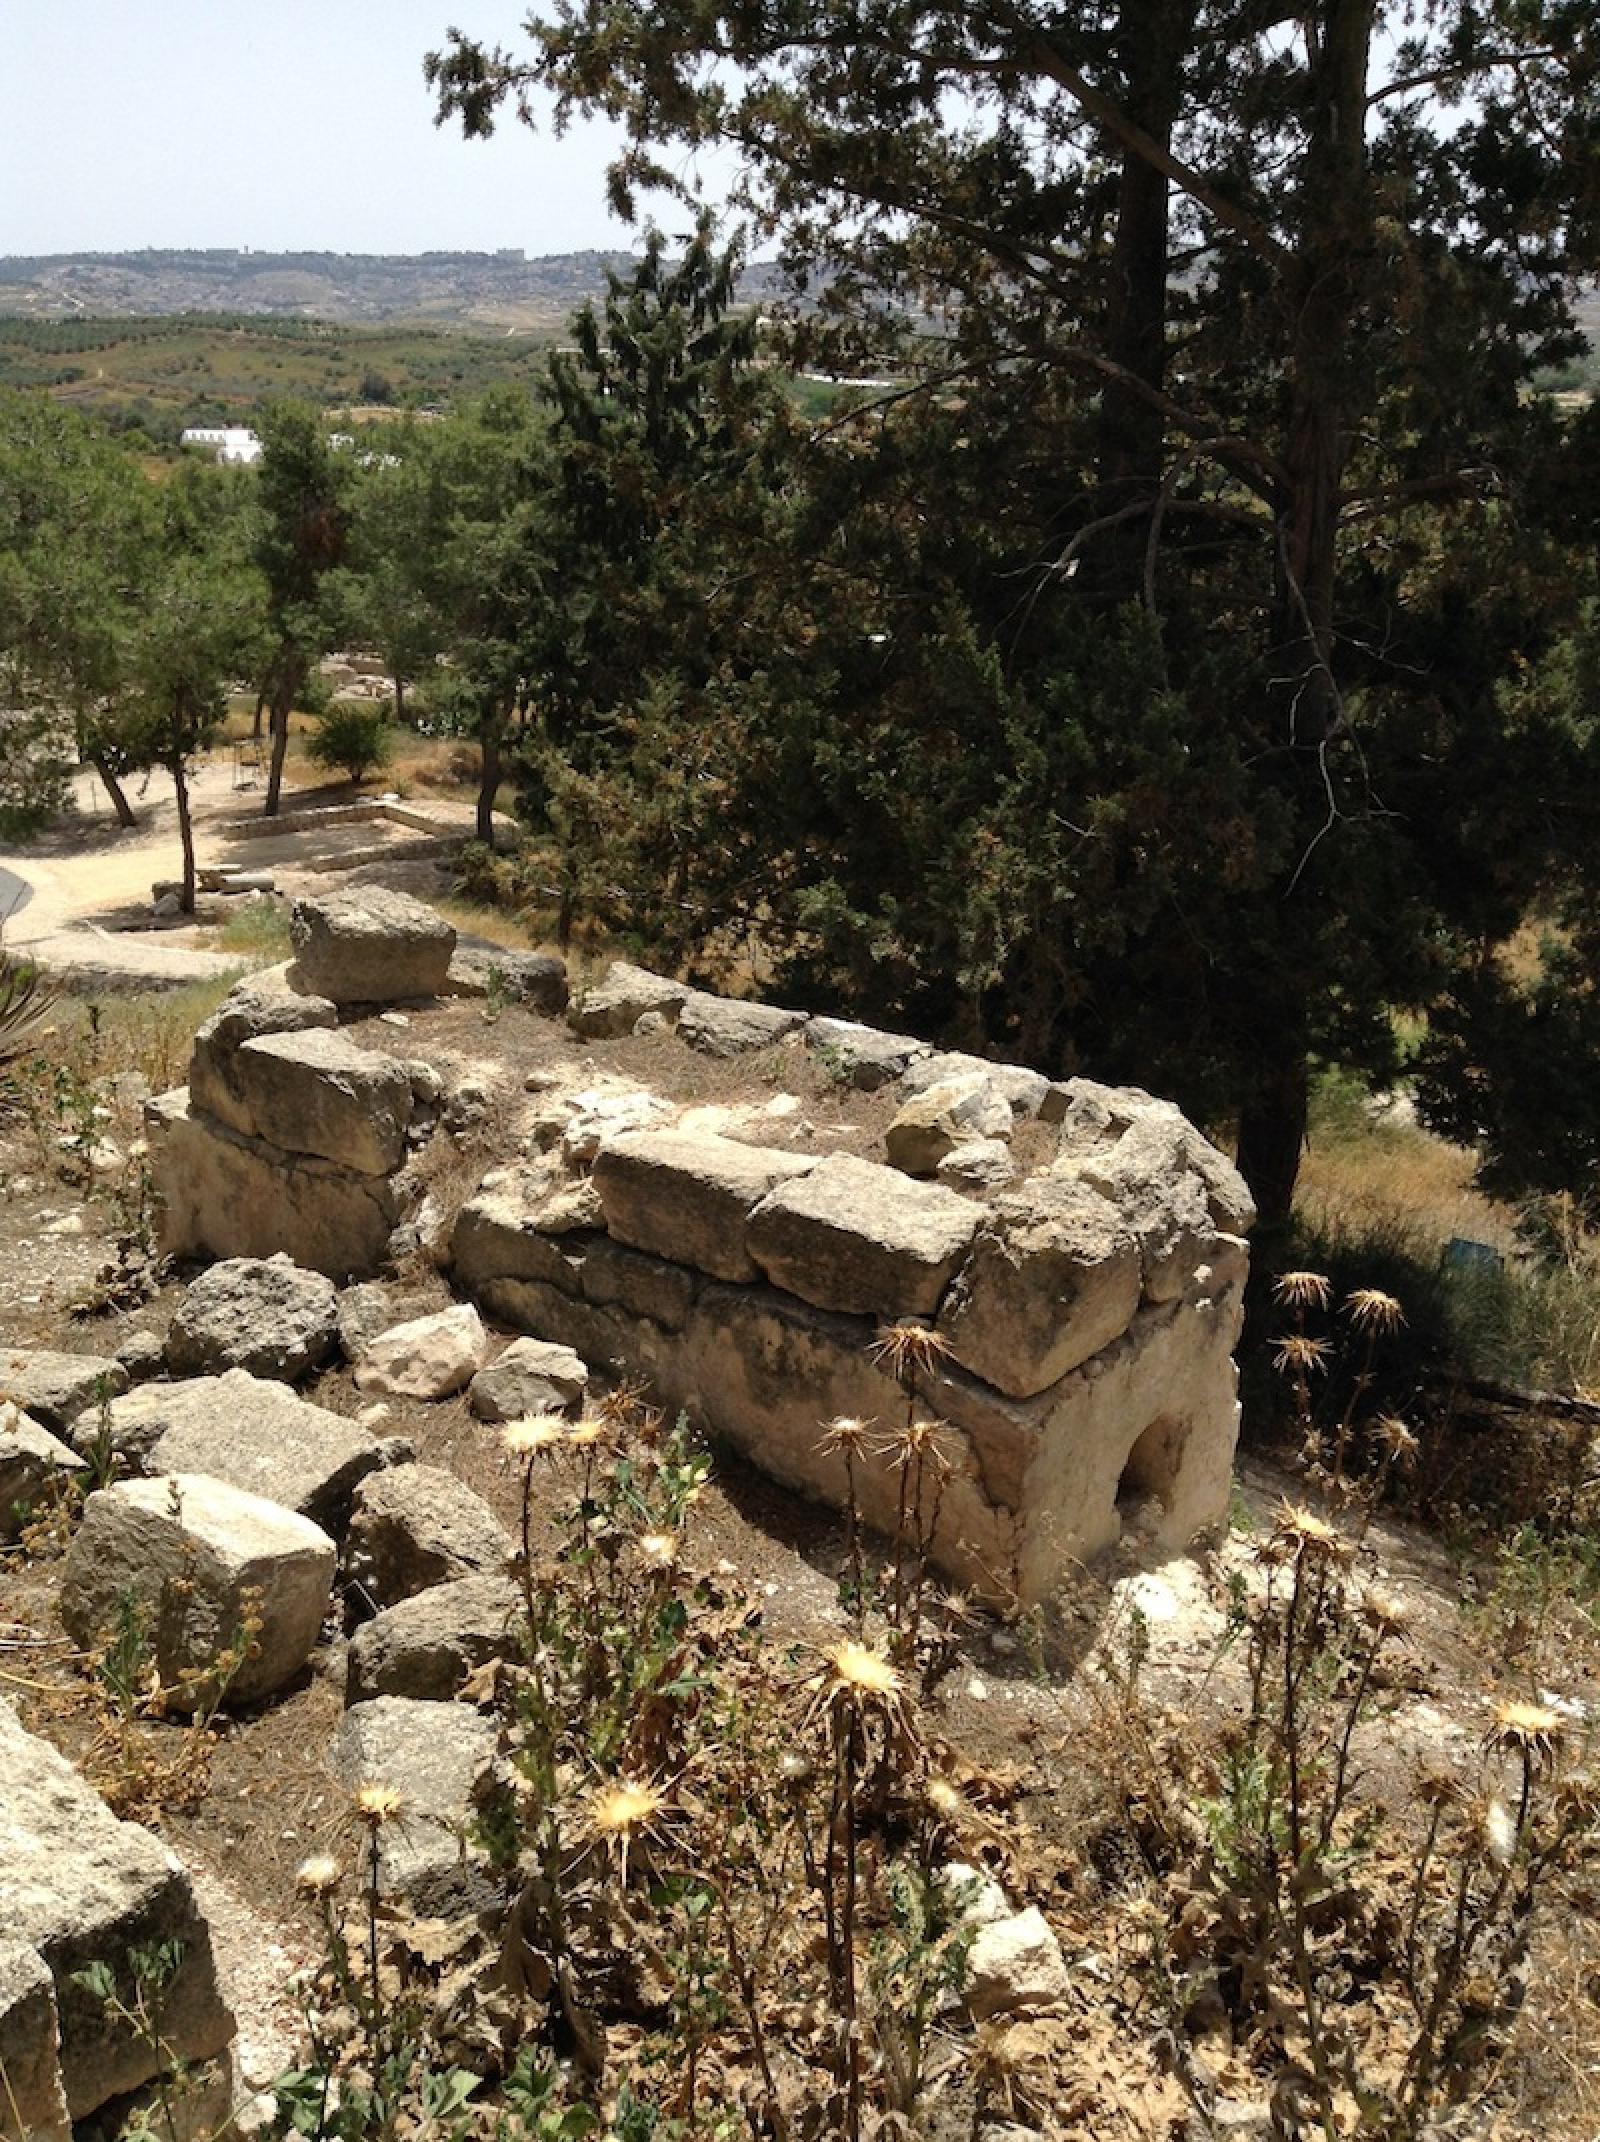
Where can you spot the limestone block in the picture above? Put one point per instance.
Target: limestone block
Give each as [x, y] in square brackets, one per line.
[531, 1376]
[425, 1646]
[418, 1526]
[1022, 1089]
[143, 1354]
[431, 1754]
[614, 1005]
[253, 1434]
[537, 979]
[253, 1009]
[318, 1092]
[1014, 1963]
[429, 1357]
[189, 1548]
[863, 1056]
[366, 945]
[370, 1307]
[262, 1314]
[855, 1236]
[1054, 1275]
[726, 1026]
[223, 1195]
[497, 1233]
[56, 1388]
[599, 1114]
[689, 1198]
[33, 2104]
[951, 1112]
[1094, 1117]
[79, 1887]
[33, 1464]
[981, 1164]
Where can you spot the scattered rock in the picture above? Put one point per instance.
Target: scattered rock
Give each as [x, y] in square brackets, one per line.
[143, 1354]
[264, 1315]
[726, 1026]
[952, 1112]
[851, 1235]
[317, 1092]
[370, 1308]
[429, 1357]
[1014, 1963]
[689, 1198]
[70, 1223]
[431, 1754]
[536, 979]
[415, 1527]
[981, 1164]
[56, 1388]
[426, 1645]
[1054, 1275]
[427, 1087]
[190, 1548]
[1023, 1090]
[78, 1887]
[531, 1376]
[613, 1006]
[254, 1434]
[33, 1463]
[862, 1056]
[366, 945]
[973, 1895]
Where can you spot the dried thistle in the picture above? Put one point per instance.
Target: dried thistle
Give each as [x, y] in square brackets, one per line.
[1398, 1441]
[847, 1433]
[1302, 1290]
[1530, 1731]
[623, 1812]
[660, 1550]
[378, 1804]
[908, 1350]
[1300, 1356]
[318, 1877]
[1370, 1309]
[860, 1673]
[1301, 1535]
[918, 1442]
[535, 1432]
[1384, 1613]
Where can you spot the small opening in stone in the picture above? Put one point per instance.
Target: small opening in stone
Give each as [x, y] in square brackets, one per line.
[1149, 1471]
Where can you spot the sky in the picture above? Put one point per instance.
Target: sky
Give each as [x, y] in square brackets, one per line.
[275, 124]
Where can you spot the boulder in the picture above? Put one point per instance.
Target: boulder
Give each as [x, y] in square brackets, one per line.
[578, 1123]
[220, 1194]
[689, 1198]
[531, 1376]
[536, 979]
[429, 1357]
[724, 1026]
[370, 1308]
[33, 1465]
[861, 1056]
[425, 1646]
[615, 1005]
[415, 1527]
[143, 1354]
[366, 945]
[1053, 1277]
[253, 1434]
[430, 1754]
[264, 1315]
[33, 2103]
[189, 1548]
[56, 1388]
[1023, 1090]
[852, 1235]
[1012, 1964]
[251, 1011]
[951, 1112]
[78, 1887]
[981, 1164]
[318, 1092]
[500, 1230]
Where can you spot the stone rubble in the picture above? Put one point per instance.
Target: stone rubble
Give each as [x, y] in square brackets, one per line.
[531, 1376]
[414, 1527]
[430, 1357]
[263, 1315]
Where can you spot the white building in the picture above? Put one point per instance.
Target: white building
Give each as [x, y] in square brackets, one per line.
[228, 442]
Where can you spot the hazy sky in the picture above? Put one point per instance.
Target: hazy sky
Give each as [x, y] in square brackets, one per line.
[272, 124]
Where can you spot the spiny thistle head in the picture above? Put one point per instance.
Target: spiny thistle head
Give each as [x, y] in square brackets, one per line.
[1530, 1730]
[532, 1434]
[908, 1350]
[659, 1550]
[319, 1876]
[846, 1432]
[1299, 1356]
[1302, 1290]
[378, 1804]
[1370, 1309]
[1384, 1613]
[623, 1811]
[584, 1435]
[858, 1670]
[1305, 1536]
[1394, 1436]
[944, 1800]
[1438, 1786]
[919, 1442]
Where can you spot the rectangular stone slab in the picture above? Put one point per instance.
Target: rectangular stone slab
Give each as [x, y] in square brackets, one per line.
[866, 1239]
[317, 1092]
[688, 1196]
[81, 1887]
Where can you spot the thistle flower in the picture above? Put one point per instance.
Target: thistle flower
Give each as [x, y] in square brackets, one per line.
[1302, 1290]
[1437, 1786]
[659, 1549]
[1370, 1309]
[860, 1671]
[378, 1804]
[1300, 1355]
[622, 1812]
[1302, 1534]
[1396, 1437]
[534, 1432]
[1384, 1612]
[1529, 1730]
[907, 1350]
[944, 1800]
[845, 1432]
[583, 1435]
[918, 1440]
[318, 1877]
[796, 1769]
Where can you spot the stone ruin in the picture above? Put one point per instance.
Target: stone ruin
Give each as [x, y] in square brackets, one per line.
[1088, 1303]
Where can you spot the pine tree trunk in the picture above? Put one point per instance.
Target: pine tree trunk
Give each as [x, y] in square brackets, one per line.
[180, 784]
[1272, 1132]
[489, 736]
[261, 708]
[113, 788]
[399, 697]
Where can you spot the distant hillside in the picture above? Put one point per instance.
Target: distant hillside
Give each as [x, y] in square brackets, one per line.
[482, 290]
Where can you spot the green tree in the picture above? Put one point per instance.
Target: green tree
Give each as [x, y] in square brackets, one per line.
[1226, 316]
[303, 490]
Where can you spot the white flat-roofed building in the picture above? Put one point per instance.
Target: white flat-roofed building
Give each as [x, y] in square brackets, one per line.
[229, 442]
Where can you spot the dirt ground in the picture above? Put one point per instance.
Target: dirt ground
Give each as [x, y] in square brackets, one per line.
[1025, 1704]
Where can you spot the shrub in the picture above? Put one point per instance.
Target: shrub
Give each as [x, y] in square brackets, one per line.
[355, 738]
